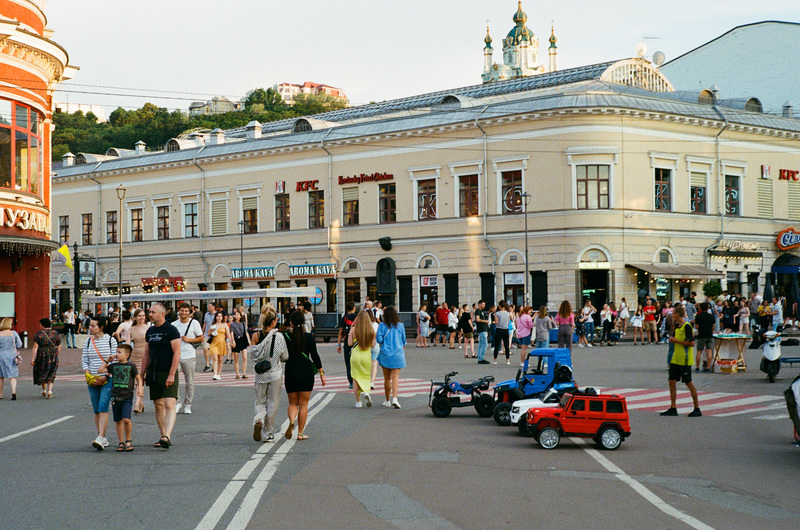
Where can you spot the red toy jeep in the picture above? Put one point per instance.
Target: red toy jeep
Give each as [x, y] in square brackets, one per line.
[585, 414]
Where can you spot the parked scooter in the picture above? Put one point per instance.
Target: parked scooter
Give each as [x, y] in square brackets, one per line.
[771, 354]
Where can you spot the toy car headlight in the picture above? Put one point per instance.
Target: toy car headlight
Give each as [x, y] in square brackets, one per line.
[515, 410]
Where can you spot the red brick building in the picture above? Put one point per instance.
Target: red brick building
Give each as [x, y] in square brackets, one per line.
[30, 67]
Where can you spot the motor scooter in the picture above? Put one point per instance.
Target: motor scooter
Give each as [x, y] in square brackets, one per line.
[771, 355]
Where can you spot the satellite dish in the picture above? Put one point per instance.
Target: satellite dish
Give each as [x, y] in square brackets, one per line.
[658, 58]
[641, 49]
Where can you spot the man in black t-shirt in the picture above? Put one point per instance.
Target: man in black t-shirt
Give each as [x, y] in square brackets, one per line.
[162, 356]
[344, 331]
[704, 342]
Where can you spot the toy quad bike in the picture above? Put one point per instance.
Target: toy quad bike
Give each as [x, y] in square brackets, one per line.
[543, 369]
[447, 394]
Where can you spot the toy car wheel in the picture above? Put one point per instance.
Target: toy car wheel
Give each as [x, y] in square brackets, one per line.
[609, 438]
[524, 429]
[441, 407]
[502, 413]
[484, 406]
[549, 438]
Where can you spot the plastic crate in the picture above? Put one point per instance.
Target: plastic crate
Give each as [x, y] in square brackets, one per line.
[727, 366]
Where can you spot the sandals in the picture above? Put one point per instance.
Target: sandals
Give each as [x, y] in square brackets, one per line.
[128, 446]
[121, 447]
[163, 442]
[289, 429]
[301, 436]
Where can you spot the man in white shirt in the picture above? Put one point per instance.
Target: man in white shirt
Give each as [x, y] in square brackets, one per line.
[69, 320]
[123, 333]
[377, 310]
[191, 334]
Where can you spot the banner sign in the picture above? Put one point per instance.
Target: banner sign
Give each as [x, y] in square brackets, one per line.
[358, 179]
[788, 238]
[252, 273]
[327, 269]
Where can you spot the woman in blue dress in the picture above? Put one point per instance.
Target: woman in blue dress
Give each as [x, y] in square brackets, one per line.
[9, 342]
[392, 337]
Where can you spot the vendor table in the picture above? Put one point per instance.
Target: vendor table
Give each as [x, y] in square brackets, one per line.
[730, 346]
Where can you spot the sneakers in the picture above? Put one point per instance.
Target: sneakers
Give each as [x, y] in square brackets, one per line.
[580, 345]
[367, 399]
[387, 403]
[178, 408]
[217, 378]
[269, 439]
[358, 404]
[483, 361]
[105, 441]
[395, 403]
[590, 345]
[494, 362]
[508, 362]
[672, 411]
[207, 368]
[695, 413]
[98, 443]
[257, 426]
[187, 409]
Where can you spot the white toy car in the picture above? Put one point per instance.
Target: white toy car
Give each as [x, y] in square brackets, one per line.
[519, 409]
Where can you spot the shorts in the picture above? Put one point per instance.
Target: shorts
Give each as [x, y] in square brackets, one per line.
[525, 341]
[100, 396]
[122, 409]
[159, 389]
[467, 334]
[679, 372]
[452, 329]
[649, 325]
[701, 344]
[441, 328]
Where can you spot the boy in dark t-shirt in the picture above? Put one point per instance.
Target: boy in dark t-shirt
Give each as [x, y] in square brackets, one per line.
[124, 377]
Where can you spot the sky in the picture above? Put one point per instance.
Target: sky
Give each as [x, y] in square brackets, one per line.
[173, 52]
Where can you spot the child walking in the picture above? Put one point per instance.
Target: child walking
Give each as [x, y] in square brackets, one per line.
[123, 375]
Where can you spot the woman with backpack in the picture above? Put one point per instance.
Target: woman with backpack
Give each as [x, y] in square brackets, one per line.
[269, 346]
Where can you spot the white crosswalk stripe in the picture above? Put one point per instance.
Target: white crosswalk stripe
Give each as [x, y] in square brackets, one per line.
[711, 403]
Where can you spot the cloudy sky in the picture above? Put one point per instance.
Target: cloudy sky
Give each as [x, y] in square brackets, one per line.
[176, 51]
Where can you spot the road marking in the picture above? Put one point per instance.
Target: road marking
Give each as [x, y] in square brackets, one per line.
[773, 417]
[40, 427]
[757, 409]
[228, 495]
[711, 403]
[639, 488]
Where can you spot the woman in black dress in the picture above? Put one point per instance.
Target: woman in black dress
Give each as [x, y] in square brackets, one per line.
[301, 367]
[46, 349]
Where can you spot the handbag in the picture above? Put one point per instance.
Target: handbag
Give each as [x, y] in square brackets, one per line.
[18, 359]
[98, 380]
[266, 365]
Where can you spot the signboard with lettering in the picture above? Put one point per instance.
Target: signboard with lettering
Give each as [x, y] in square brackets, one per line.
[766, 172]
[789, 174]
[358, 179]
[23, 219]
[88, 278]
[515, 278]
[429, 281]
[280, 186]
[253, 273]
[327, 269]
[739, 245]
[307, 185]
[788, 238]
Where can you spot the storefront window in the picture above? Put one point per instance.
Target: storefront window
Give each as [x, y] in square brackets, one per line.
[20, 164]
[512, 192]
[468, 195]
[663, 289]
[426, 199]
[352, 290]
[663, 191]
[732, 195]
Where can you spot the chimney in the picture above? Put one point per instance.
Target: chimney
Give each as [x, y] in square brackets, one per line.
[216, 137]
[139, 148]
[68, 159]
[253, 130]
[788, 110]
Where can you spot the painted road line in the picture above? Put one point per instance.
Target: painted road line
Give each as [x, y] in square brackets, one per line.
[248, 507]
[228, 495]
[772, 417]
[40, 427]
[639, 488]
[774, 406]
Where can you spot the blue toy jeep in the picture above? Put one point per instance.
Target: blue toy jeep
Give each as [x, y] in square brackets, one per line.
[543, 369]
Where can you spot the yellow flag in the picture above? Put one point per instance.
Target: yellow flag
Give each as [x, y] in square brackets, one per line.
[63, 256]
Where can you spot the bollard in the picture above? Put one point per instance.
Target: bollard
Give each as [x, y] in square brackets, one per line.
[25, 339]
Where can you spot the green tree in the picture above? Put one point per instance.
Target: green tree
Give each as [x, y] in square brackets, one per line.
[712, 289]
[306, 104]
[269, 99]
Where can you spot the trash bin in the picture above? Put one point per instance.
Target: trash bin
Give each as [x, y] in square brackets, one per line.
[25, 339]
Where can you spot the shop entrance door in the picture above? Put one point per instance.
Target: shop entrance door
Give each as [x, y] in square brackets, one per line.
[429, 291]
[594, 287]
[514, 294]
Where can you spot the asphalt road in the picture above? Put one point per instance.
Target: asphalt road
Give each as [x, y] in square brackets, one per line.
[382, 468]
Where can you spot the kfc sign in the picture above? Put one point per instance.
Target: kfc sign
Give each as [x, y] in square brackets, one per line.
[307, 185]
[788, 174]
[788, 239]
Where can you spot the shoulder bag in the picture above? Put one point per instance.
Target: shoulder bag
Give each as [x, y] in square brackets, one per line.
[98, 380]
[266, 365]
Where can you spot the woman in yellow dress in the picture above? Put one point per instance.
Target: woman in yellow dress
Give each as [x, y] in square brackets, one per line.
[362, 339]
[220, 335]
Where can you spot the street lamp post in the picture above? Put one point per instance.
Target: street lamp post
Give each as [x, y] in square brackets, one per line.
[526, 197]
[241, 262]
[120, 195]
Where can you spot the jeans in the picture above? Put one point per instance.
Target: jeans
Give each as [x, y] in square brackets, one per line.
[565, 336]
[187, 369]
[100, 396]
[70, 333]
[501, 336]
[482, 343]
[541, 344]
[590, 330]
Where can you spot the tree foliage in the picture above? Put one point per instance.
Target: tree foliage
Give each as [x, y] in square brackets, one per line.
[81, 133]
[712, 289]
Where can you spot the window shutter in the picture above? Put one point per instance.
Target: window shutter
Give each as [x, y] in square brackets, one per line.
[219, 218]
[765, 198]
[250, 203]
[350, 194]
[698, 180]
[794, 203]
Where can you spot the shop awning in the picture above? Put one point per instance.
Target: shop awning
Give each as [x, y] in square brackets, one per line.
[663, 270]
[753, 254]
[26, 246]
